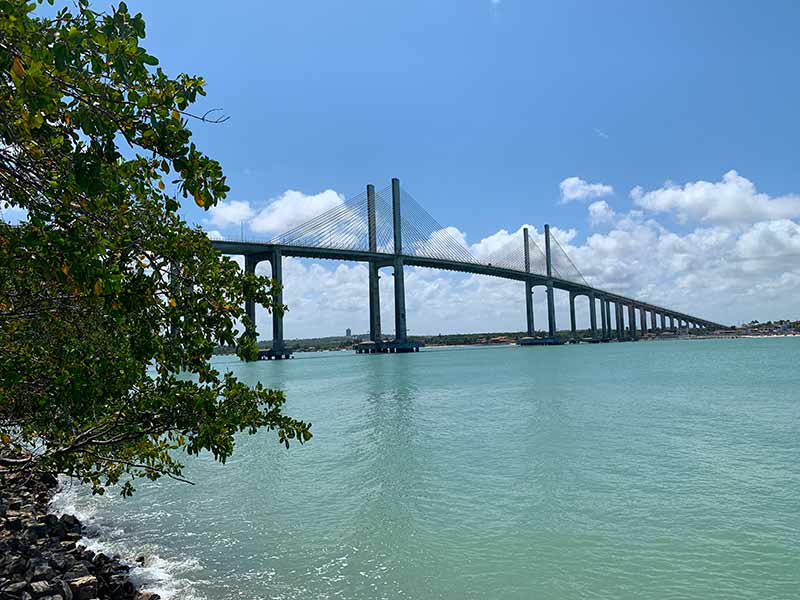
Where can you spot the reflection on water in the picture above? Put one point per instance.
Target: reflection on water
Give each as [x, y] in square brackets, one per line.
[644, 470]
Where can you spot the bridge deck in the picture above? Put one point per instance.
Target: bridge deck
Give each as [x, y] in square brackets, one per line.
[265, 249]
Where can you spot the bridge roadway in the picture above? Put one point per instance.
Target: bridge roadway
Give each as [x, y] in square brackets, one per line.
[255, 252]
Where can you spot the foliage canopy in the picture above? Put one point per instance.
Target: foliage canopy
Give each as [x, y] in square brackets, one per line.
[107, 297]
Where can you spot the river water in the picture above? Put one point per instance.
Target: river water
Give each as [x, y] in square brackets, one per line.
[648, 470]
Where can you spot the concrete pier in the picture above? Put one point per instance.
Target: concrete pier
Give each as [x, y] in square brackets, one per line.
[528, 285]
[400, 330]
[387, 347]
[374, 275]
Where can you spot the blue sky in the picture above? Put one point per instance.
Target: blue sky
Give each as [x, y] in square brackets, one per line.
[482, 108]
[658, 138]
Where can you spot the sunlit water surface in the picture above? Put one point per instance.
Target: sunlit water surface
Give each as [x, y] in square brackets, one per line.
[649, 470]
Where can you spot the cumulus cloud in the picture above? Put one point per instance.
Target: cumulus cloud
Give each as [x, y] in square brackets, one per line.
[600, 212]
[575, 188]
[293, 208]
[733, 200]
[230, 212]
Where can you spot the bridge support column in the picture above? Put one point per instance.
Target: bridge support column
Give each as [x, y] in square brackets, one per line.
[374, 303]
[603, 319]
[400, 330]
[620, 322]
[643, 317]
[528, 284]
[654, 321]
[250, 263]
[551, 306]
[374, 276]
[608, 319]
[593, 315]
[572, 326]
[278, 346]
[632, 321]
[529, 307]
[663, 322]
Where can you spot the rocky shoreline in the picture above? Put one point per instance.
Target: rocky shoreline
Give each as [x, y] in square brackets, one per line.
[40, 557]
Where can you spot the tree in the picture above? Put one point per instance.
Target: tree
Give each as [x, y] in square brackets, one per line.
[108, 299]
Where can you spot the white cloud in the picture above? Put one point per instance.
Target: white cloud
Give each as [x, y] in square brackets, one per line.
[230, 212]
[575, 188]
[600, 212]
[293, 208]
[733, 200]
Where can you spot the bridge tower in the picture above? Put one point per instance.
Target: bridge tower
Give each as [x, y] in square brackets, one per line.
[551, 308]
[528, 284]
[374, 277]
[399, 282]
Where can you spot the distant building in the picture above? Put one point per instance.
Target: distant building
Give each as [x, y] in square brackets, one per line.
[348, 332]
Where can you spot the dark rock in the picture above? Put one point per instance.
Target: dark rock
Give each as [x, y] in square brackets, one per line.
[71, 522]
[120, 587]
[67, 545]
[84, 588]
[44, 571]
[66, 591]
[14, 524]
[42, 588]
[14, 505]
[48, 479]
[147, 596]
[15, 588]
[35, 530]
[13, 565]
[79, 569]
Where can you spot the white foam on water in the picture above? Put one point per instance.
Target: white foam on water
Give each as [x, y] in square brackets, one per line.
[166, 577]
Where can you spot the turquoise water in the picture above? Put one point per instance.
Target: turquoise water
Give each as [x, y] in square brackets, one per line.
[648, 470]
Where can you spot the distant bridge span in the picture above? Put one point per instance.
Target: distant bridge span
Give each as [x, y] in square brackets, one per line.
[370, 229]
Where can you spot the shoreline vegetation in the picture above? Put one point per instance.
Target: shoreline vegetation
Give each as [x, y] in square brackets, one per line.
[784, 328]
[40, 554]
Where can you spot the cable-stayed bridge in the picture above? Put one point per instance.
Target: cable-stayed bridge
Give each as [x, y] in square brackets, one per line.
[389, 228]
